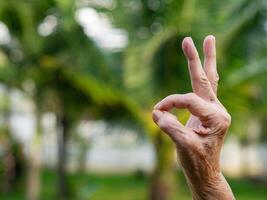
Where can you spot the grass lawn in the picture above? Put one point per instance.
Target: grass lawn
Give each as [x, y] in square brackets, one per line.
[91, 187]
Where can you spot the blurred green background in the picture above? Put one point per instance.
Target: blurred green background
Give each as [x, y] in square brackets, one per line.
[78, 81]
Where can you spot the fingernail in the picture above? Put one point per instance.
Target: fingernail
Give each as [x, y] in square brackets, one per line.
[156, 114]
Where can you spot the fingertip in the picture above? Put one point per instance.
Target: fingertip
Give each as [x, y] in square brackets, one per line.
[187, 39]
[156, 114]
[186, 42]
[210, 37]
[209, 45]
[189, 48]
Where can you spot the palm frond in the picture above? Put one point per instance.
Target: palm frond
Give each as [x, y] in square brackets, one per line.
[246, 73]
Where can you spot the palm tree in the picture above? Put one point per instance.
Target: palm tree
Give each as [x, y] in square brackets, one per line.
[69, 75]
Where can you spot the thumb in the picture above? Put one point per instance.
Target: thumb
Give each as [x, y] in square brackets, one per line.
[168, 123]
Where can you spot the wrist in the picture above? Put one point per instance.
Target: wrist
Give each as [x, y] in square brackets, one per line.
[213, 186]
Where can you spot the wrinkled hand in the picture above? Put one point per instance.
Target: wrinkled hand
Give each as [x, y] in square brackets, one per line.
[199, 142]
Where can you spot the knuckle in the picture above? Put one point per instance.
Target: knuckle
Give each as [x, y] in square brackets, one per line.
[217, 77]
[190, 98]
[191, 95]
[194, 58]
[225, 121]
[214, 84]
[214, 81]
[203, 79]
[228, 119]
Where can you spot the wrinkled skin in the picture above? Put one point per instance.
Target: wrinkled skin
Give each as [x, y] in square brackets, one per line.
[199, 142]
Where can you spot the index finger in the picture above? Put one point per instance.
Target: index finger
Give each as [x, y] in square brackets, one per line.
[196, 105]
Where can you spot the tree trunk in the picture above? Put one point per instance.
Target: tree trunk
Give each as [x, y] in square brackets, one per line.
[9, 168]
[83, 157]
[34, 162]
[163, 180]
[9, 161]
[63, 133]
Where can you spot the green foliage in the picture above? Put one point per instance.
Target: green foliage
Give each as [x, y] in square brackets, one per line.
[130, 187]
[65, 66]
[155, 65]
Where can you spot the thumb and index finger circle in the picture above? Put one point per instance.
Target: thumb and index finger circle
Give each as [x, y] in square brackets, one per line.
[196, 105]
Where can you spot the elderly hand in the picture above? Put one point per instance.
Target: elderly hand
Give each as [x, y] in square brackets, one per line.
[199, 142]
